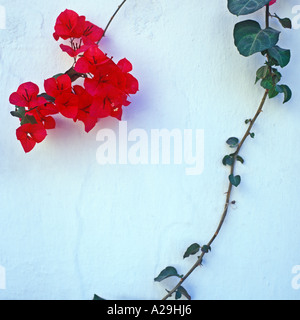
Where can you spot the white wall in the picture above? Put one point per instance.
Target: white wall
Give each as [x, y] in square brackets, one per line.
[70, 228]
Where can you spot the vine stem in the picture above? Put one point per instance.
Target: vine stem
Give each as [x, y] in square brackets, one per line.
[71, 72]
[228, 197]
[230, 186]
[111, 19]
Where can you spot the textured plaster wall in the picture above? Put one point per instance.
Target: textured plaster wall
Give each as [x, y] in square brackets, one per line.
[70, 227]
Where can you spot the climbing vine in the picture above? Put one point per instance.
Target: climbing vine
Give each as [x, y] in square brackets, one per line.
[249, 38]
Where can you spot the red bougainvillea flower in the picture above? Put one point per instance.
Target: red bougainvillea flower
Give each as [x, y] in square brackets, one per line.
[92, 32]
[85, 101]
[74, 52]
[109, 99]
[107, 85]
[60, 85]
[272, 2]
[106, 73]
[132, 85]
[42, 115]
[48, 109]
[91, 60]
[30, 134]
[69, 25]
[26, 96]
[67, 105]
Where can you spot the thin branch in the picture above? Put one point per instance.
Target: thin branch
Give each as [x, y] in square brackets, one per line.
[230, 186]
[227, 202]
[111, 19]
[268, 16]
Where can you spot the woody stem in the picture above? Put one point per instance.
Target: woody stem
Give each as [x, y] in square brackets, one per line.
[111, 19]
[230, 186]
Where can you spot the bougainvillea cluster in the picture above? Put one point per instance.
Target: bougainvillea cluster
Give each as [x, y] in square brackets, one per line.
[105, 90]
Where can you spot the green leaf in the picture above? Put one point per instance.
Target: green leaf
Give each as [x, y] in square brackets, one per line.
[273, 92]
[193, 249]
[206, 249]
[47, 97]
[249, 38]
[243, 7]
[16, 114]
[74, 75]
[286, 22]
[28, 119]
[286, 91]
[270, 81]
[228, 161]
[178, 295]
[182, 292]
[233, 142]
[262, 72]
[19, 112]
[58, 75]
[240, 159]
[97, 298]
[282, 56]
[167, 273]
[276, 75]
[267, 83]
[252, 135]
[235, 180]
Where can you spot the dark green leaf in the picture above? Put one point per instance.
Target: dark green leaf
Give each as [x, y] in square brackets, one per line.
[47, 97]
[97, 298]
[273, 92]
[276, 75]
[233, 142]
[178, 295]
[228, 161]
[249, 38]
[183, 292]
[206, 249]
[286, 23]
[16, 114]
[22, 111]
[193, 249]
[74, 75]
[235, 180]
[282, 56]
[240, 159]
[58, 75]
[248, 121]
[243, 7]
[286, 91]
[19, 112]
[252, 135]
[262, 72]
[267, 83]
[270, 81]
[167, 273]
[28, 119]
